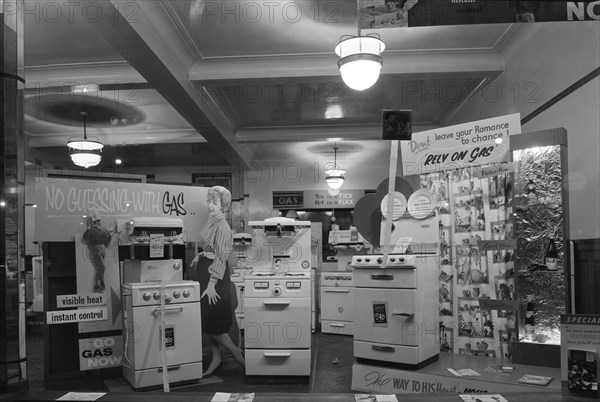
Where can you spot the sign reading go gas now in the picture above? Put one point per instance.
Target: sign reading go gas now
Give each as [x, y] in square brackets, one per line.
[103, 352]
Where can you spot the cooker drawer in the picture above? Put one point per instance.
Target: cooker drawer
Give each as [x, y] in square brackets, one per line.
[279, 362]
[388, 353]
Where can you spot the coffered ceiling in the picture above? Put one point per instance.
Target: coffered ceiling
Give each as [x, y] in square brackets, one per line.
[242, 81]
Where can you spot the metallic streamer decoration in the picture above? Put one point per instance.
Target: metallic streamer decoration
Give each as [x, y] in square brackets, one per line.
[538, 215]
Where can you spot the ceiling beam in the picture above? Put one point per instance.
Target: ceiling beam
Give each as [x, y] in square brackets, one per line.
[37, 77]
[149, 41]
[309, 134]
[411, 63]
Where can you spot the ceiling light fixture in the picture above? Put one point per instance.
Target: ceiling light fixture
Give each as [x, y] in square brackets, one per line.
[83, 152]
[360, 60]
[335, 176]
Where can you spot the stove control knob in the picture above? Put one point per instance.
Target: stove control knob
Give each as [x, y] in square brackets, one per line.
[379, 260]
[156, 295]
[176, 266]
[276, 291]
[401, 259]
[367, 260]
[176, 294]
[393, 259]
[359, 260]
[186, 294]
[147, 296]
[167, 299]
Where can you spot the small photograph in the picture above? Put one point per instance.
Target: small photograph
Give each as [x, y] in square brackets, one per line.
[445, 249]
[446, 339]
[478, 349]
[507, 340]
[473, 321]
[505, 288]
[583, 370]
[497, 229]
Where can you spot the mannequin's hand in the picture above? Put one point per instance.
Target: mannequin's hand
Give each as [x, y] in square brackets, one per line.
[195, 261]
[211, 293]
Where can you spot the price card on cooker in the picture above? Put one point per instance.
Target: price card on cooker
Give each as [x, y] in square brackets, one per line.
[380, 314]
[157, 246]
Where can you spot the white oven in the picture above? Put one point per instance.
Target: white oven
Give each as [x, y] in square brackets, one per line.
[277, 327]
[395, 310]
[337, 303]
[143, 360]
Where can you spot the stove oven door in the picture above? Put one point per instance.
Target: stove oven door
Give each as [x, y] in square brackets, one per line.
[387, 316]
[183, 336]
[277, 323]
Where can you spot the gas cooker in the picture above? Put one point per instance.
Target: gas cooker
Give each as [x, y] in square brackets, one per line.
[148, 293]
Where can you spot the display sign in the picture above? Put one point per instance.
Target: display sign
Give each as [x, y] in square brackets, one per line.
[397, 125]
[90, 270]
[157, 245]
[385, 380]
[376, 14]
[288, 200]
[470, 144]
[98, 353]
[497, 169]
[80, 315]
[321, 199]
[63, 203]
[580, 352]
[80, 300]
[493, 245]
[493, 304]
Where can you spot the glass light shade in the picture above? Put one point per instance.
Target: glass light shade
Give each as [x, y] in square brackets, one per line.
[335, 178]
[360, 61]
[85, 159]
[82, 144]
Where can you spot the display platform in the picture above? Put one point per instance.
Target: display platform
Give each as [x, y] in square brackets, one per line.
[436, 378]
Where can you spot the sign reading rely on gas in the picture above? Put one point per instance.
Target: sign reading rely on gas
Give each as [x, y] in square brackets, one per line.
[469, 144]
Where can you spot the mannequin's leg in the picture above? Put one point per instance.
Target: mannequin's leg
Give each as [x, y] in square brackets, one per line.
[225, 340]
[215, 357]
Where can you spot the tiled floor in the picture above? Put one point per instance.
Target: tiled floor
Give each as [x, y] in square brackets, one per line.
[332, 372]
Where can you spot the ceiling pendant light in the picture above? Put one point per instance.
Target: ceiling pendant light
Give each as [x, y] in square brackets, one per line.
[83, 152]
[335, 176]
[360, 60]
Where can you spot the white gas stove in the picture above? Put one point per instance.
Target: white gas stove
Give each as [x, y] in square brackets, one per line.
[143, 363]
[337, 303]
[277, 330]
[395, 309]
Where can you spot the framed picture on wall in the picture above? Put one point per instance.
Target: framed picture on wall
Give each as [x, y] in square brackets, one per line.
[212, 179]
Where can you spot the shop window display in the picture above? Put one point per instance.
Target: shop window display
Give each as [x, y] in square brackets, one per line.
[473, 208]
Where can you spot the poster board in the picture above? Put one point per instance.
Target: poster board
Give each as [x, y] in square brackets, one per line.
[579, 352]
[63, 203]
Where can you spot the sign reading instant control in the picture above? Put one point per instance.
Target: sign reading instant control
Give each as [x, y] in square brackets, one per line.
[80, 315]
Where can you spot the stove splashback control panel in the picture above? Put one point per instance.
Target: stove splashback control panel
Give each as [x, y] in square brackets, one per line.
[376, 261]
[147, 293]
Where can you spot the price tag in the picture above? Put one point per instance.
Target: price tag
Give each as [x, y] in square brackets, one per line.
[380, 314]
[157, 246]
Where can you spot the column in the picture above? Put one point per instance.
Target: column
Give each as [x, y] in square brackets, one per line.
[13, 374]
